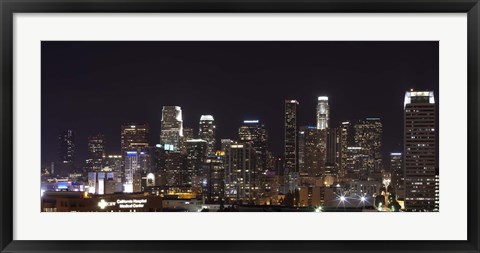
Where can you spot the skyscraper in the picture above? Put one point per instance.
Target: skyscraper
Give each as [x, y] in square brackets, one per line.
[188, 133]
[345, 132]
[255, 133]
[131, 168]
[196, 156]
[134, 139]
[420, 159]
[368, 135]
[206, 131]
[291, 153]
[323, 118]
[66, 146]
[171, 126]
[301, 151]
[96, 152]
[134, 136]
[312, 152]
[323, 113]
[215, 171]
[241, 179]
[398, 179]
[175, 170]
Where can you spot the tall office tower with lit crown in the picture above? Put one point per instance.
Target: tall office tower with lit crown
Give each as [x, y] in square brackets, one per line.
[66, 146]
[134, 136]
[171, 126]
[291, 152]
[96, 152]
[323, 113]
[254, 132]
[206, 131]
[420, 155]
[368, 135]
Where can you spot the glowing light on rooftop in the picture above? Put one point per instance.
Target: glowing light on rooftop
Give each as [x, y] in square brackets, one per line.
[411, 93]
[206, 117]
[323, 98]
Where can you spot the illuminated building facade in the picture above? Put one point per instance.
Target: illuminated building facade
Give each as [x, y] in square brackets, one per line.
[345, 139]
[197, 150]
[96, 152]
[398, 178]
[131, 168]
[188, 134]
[291, 152]
[356, 165]
[215, 183]
[240, 173]
[225, 144]
[323, 113]
[175, 169]
[301, 151]
[368, 135]
[312, 152]
[420, 153]
[171, 126]
[66, 146]
[279, 165]
[332, 162]
[69, 201]
[113, 163]
[134, 136]
[207, 132]
[255, 133]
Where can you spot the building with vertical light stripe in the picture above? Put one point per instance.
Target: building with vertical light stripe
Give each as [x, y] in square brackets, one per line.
[171, 126]
[291, 152]
[420, 157]
[323, 113]
[206, 132]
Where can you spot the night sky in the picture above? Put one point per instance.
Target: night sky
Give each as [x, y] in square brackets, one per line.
[93, 87]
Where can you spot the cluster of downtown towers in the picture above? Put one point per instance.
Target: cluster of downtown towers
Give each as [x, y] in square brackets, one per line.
[344, 160]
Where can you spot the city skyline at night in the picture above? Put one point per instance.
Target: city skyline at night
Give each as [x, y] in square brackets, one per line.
[375, 73]
[293, 124]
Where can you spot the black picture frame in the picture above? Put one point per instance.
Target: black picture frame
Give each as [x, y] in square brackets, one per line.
[9, 7]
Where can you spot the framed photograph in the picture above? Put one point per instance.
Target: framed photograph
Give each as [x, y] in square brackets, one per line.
[256, 126]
